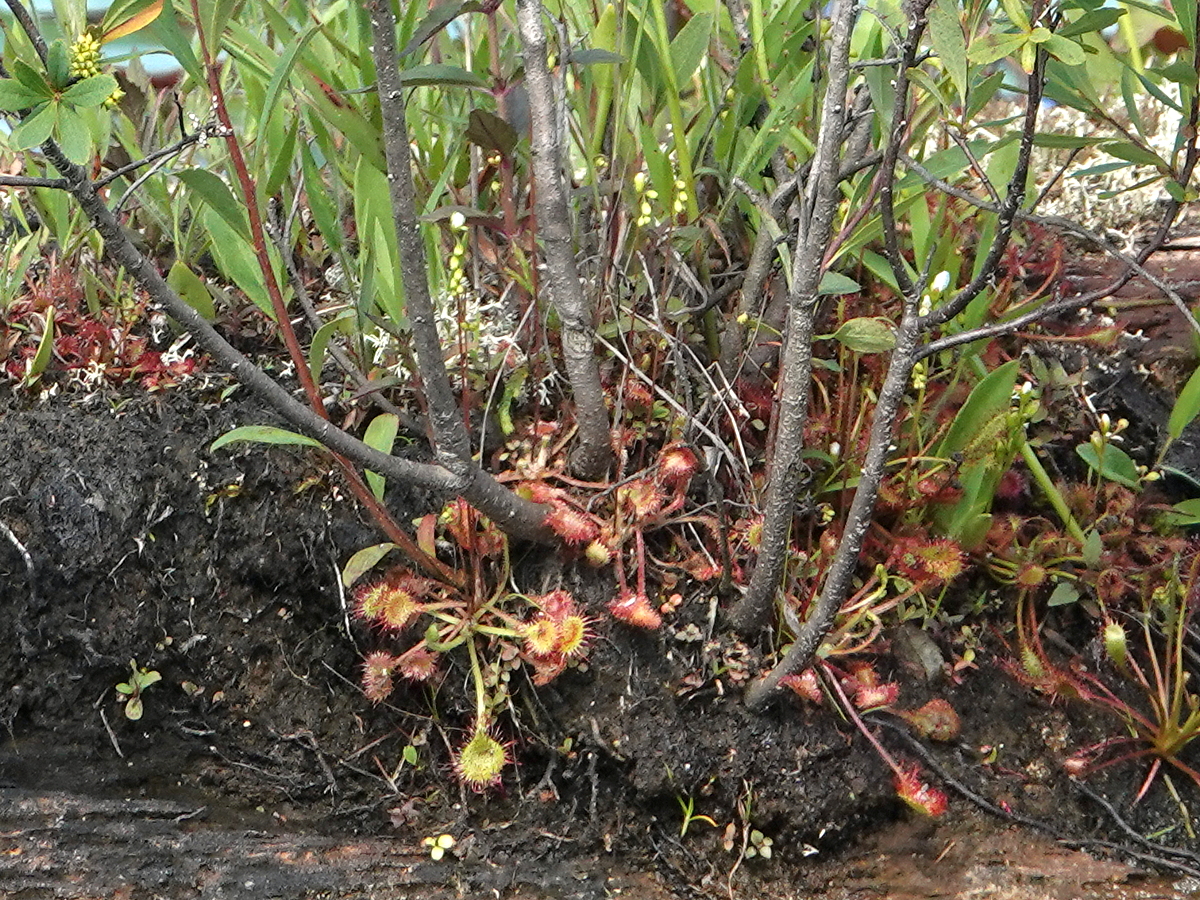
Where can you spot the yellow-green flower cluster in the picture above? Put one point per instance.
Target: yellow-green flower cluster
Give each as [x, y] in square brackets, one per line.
[85, 63]
[681, 197]
[85, 56]
[920, 376]
[457, 283]
[645, 195]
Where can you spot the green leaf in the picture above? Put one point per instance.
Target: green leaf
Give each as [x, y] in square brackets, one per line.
[1135, 154]
[1186, 408]
[284, 157]
[188, 285]
[834, 283]
[1185, 513]
[512, 389]
[74, 136]
[128, 16]
[58, 64]
[364, 561]
[441, 74]
[983, 92]
[41, 359]
[990, 398]
[1064, 594]
[1064, 141]
[1114, 464]
[1185, 14]
[1093, 548]
[873, 334]
[15, 96]
[264, 434]
[32, 78]
[438, 18]
[690, 46]
[1179, 72]
[381, 435]
[594, 55]
[133, 709]
[91, 91]
[993, 47]
[320, 203]
[1065, 50]
[1015, 10]
[949, 42]
[36, 128]
[410, 754]
[343, 323]
[216, 194]
[237, 260]
[217, 14]
[1093, 21]
[166, 31]
[489, 131]
[283, 71]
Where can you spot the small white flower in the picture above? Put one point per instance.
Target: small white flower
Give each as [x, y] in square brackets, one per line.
[941, 281]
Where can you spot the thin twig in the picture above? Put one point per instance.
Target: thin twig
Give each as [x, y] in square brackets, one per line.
[111, 734]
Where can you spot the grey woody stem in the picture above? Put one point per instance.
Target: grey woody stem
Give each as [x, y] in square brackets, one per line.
[593, 454]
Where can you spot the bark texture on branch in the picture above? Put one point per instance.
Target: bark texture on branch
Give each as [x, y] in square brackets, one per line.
[593, 453]
[820, 203]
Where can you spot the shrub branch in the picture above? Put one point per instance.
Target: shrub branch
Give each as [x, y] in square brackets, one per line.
[594, 453]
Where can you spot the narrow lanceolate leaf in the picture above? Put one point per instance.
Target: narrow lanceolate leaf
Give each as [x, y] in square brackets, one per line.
[127, 16]
[1135, 153]
[438, 18]
[1065, 50]
[191, 288]
[950, 43]
[1090, 22]
[91, 91]
[441, 74]
[364, 561]
[263, 434]
[45, 349]
[594, 55]
[690, 46]
[1187, 407]
[381, 434]
[992, 47]
[216, 194]
[15, 96]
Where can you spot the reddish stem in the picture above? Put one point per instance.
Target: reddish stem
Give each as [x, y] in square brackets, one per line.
[250, 194]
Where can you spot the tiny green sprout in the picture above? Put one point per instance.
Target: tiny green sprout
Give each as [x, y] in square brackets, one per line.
[688, 805]
[760, 845]
[439, 845]
[132, 689]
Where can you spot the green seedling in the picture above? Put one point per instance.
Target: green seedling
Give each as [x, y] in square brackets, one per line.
[132, 689]
[688, 805]
[439, 845]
